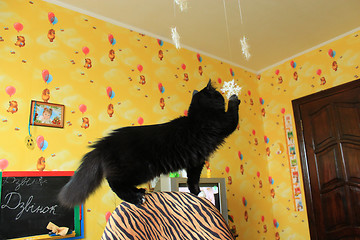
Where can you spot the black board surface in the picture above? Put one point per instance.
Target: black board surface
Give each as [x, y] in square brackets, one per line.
[29, 203]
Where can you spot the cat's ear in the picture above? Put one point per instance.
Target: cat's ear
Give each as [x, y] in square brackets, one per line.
[209, 84]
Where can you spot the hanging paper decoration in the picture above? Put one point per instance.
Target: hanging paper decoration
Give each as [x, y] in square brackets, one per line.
[245, 48]
[175, 37]
[293, 64]
[182, 4]
[219, 80]
[85, 50]
[283, 110]
[331, 53]
[266, 139]
[183, 66]
[227, 169]
[277, 71]
[318, 72]
[230, 88]
[18, 26]
[249, 93]
[10, 90]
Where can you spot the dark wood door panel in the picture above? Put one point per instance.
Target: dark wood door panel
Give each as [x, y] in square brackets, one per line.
[329, 168]
[335, 199]
[355, 204]
[349, 117]
[351, 156]
[328, 130]
[324, 132]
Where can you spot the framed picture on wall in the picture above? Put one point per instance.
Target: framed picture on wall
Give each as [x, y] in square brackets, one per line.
[47, 114]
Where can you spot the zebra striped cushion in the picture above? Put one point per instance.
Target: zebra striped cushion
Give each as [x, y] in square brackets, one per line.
[165, 216]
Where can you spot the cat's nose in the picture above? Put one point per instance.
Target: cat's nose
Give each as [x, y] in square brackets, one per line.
[195, 92]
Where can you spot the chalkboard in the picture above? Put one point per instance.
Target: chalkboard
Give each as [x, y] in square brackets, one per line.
[28, 202]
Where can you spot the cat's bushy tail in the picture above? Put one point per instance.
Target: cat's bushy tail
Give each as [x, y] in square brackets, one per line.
[85, 181]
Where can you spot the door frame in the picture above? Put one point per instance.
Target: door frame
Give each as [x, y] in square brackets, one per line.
[296, 103]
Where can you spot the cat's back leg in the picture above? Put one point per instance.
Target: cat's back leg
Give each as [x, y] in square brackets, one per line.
[126, 192]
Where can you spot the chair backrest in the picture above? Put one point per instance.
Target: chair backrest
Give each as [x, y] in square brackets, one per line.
[167, 215]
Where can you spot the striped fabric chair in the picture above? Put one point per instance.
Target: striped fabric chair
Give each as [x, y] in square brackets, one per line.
[167, 216]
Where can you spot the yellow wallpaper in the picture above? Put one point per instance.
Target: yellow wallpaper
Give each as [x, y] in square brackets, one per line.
[328, 66]
[147, 87]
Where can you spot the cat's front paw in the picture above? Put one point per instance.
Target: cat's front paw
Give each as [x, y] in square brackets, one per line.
[234, 98]
[138, 201]
[137, 198]
[140, 197]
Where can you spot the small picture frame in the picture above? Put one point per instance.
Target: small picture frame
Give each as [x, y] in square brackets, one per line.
[47, 114]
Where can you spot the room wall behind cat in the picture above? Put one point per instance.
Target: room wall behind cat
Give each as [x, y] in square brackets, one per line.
[142, 81]
[327, 66]
[146, 87]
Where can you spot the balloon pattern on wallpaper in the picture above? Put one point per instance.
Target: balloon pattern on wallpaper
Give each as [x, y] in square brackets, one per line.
[108, 77]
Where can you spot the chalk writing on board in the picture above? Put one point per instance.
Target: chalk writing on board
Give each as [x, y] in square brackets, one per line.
[13, 201]
[24, 182]
[29, 202]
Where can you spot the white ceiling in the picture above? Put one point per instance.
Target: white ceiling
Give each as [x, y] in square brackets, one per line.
[276, 30]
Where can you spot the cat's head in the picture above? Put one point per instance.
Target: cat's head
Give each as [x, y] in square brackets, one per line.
[208, 101]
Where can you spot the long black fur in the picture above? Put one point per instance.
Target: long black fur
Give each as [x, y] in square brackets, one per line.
[134, 155]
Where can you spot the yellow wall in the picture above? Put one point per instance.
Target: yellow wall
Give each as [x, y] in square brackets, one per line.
[73, 84]
[293, 225]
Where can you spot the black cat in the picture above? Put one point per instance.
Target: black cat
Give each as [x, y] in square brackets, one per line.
[131, 156]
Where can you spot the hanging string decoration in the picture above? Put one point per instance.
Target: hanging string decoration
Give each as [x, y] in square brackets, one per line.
[175, 37]
[182, 4]
[240, 12]
[230, 88]
[245, 48]
[243, 40]
[227, 29]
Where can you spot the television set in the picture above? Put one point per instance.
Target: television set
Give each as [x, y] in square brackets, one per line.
[213, 188]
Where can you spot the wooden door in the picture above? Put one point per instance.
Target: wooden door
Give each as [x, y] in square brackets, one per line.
[328, 130]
